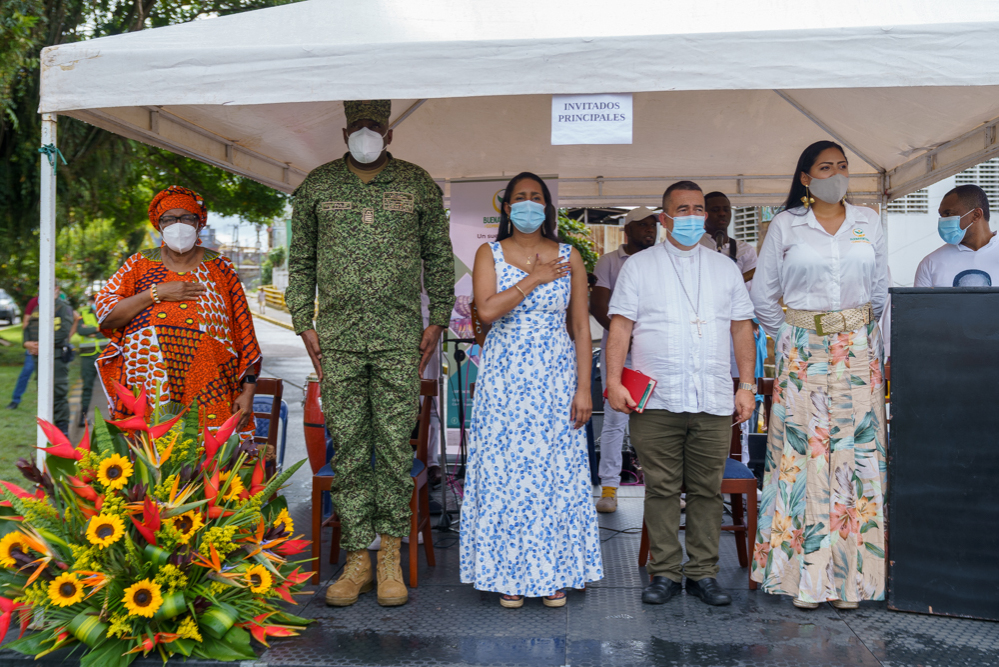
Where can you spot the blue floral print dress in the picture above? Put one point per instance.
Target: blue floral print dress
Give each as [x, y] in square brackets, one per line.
[528, 526]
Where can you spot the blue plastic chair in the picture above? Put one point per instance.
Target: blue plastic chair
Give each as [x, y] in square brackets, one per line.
[263, 408]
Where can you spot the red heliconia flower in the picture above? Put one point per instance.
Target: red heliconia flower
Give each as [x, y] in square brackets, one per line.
[81, 489]
[63, 449]
[151, 521]
[291, 547]
[137, 405]
[214, 442]
[7, 608]
[261, 632]
[258, 477]
[16, 490]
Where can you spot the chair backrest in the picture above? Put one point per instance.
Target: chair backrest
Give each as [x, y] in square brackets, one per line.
[428, 389]
[273, 387]
[765, 388]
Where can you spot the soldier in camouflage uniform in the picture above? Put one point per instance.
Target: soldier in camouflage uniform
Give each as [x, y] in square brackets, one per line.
[364, 228]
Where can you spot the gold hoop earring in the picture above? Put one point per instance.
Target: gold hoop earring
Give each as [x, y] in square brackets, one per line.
[808, 199]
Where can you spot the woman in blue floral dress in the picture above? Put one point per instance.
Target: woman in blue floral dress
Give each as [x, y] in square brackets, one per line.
[528, 527]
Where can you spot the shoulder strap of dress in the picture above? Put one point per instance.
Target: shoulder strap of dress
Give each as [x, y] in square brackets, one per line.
[564, 250]
[497, 251]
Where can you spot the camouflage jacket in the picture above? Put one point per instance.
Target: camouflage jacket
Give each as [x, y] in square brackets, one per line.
[364, 247]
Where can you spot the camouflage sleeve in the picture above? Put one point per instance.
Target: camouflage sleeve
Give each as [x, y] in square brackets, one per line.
[301, 293]
[438, 258]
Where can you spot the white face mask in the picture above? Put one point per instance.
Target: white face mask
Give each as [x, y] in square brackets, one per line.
[366, 145]
[180, 237]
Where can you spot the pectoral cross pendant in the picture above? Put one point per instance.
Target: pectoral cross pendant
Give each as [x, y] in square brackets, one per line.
[698, 321]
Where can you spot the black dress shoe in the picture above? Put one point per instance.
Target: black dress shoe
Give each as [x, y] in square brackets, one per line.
[12, 405]
[660, 590]
[709, 591]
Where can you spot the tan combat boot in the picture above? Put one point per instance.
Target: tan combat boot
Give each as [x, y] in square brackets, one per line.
[608, 500]
[356, 578]
[391, 590]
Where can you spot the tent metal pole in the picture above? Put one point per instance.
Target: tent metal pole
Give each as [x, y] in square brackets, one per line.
[812, 117]
[406, 113]
[46, 280]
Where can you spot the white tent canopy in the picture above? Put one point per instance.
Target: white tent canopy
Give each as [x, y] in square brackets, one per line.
[727, 92]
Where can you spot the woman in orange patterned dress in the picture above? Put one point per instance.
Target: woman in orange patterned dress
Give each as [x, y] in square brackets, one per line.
[179, 323]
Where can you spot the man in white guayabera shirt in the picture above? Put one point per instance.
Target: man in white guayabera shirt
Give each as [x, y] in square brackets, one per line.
[682, 306]
[640, 228]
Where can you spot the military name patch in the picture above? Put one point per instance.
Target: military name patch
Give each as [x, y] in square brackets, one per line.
[398, 201]
[337, 206]
[368, 216]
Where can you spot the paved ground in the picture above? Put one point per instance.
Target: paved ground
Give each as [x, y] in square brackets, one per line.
[448, 623]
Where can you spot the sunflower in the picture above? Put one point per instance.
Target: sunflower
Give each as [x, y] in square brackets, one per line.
[187, 524]
[259, 579]
[11, 544]
[283, 520]
[114, 472]
[104, 530]
[235, 486]
[143, 598]
[66, 590]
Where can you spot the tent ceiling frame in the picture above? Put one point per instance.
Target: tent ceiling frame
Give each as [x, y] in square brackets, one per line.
[153, 136]
[929, 167]
[406, 114]
[835, 135]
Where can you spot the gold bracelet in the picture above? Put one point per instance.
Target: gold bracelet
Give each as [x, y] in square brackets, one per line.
[153, 293]
[522, 293]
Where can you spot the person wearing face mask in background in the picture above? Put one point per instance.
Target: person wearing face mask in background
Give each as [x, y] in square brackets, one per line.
[369, 231]
[719, 217]
[641, 230]
[178, 323]
[681, 307]
[821, 527]
[970, 254]
[528, 526]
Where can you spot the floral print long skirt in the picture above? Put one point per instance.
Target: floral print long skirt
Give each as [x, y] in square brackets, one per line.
[821, 528]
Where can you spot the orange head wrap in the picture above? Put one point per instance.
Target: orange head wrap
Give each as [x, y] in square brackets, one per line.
[177, 197]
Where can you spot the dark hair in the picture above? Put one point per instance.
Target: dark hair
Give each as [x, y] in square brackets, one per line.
[549, 229]
[680, 185]
[973, 197]
[805, 163]
[716, 193]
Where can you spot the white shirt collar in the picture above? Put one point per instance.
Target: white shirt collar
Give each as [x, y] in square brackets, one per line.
[673, 250]
[964, 248]
[849, 221]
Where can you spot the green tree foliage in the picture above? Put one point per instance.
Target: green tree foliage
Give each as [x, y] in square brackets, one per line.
[275, 259]
[104, 190]
[577, 234]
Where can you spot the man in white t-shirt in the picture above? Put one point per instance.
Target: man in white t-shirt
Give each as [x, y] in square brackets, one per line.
[681, 307]
[640, 231]
[970, 256]
[719, 217]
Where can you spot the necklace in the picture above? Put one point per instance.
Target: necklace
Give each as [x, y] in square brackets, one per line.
[527, 258]
[700, 266]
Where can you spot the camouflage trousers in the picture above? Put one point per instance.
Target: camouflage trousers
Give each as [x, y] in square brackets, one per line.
[370, 401]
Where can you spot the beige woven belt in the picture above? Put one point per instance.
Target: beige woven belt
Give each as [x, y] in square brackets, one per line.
[830, 322]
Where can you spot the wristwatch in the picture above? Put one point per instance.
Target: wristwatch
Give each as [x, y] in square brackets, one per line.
[248, 379]
[747, 387]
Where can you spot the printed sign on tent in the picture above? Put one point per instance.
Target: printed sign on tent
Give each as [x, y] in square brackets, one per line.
[591, 119]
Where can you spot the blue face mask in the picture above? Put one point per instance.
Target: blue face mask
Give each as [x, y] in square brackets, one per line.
[950, 230]
[687, 229]
[527, 216]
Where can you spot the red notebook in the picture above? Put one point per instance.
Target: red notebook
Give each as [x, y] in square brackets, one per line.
[638, 385]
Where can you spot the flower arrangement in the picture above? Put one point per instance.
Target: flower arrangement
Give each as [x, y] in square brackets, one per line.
[142, 538]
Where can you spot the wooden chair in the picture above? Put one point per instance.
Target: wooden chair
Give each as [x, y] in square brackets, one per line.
[738, 481]
[419, 503]
[267, 445]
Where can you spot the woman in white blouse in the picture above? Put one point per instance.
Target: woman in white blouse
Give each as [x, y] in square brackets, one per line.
[821, 529]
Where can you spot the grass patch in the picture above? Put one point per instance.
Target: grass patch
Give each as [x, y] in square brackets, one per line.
[13, 354]
[18, 426]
